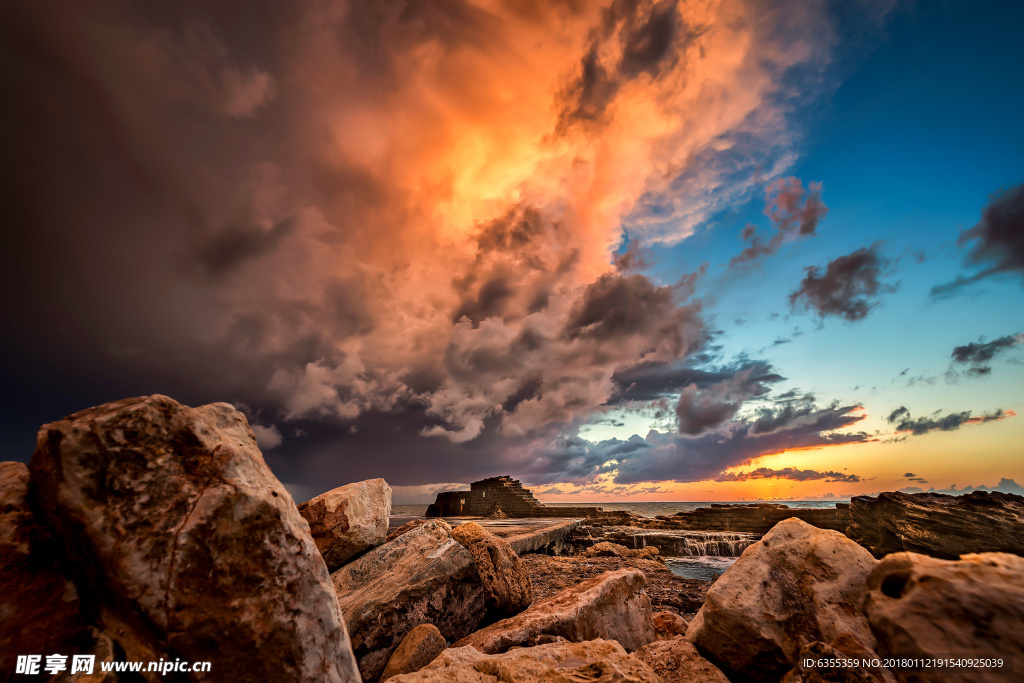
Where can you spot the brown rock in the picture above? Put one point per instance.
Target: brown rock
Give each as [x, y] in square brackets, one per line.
[595, 661]
[611, 606]
[348, 520]
[808, 671]
[423, 576]
[506, 583]
[186, 542]
[938, 525]
[405, 528]
[668, 625]
[796, 585]
[419, 647]
[920, 606]
[677, 661]
[39, 606]
[607, 549]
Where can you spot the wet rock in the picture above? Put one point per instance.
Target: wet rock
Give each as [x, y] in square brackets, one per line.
[348, 520]
[39, 606]
[920, 606]
[419, 647]
[668, 625]
[183, 541]
[938, 525]
[796, 585]
[807, 669]
[677, 661]
[612, 606]
[423, 576]
[595, 661]
[506, 584]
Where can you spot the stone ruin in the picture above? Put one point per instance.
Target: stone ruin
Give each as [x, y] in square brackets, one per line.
[504, 495]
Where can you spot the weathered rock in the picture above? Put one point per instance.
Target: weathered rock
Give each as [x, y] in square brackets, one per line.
[185, 542]
[612, 606]
[507, 588]
[920, 606]
[594, 661]
[348, 520]
[668, 625]
[677, 661]
[405, 528]
[938, 525]
[796, 585]
[423, 576]
[419, 647]
[808, 671]
[39, 606]
[607, 549]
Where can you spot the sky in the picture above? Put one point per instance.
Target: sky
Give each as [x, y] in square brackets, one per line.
[619, 250]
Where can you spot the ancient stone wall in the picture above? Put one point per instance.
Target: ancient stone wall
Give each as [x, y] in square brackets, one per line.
[486, 496]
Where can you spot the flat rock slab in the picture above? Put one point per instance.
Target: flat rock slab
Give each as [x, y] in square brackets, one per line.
[524, 534]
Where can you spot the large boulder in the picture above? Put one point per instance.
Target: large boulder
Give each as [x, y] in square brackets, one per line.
[817, 662]
[348, 520]
[611, 606]
[677, 661]
[595, 661]
[39, 606]
[920, 606]
[183, 542]
[938, 525]
[420, 647]
[796, 585]
[506, 583]
[423, 576]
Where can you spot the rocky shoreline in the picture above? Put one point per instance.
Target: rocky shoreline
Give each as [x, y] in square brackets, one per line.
[145, 530]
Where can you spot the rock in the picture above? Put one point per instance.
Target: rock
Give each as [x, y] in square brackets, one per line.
[185, 543]
[39, 606]
[845, 648]
[595, 661]
[668, 625]
[796, 585]
[423, 576]
[677, 661]
[920, 606]
[506, 583]
[419, 647]
[405, 528]
[498, 513]
[607, 549]
[552, 575]
[348, 520]
[611, 606]
[938, 525]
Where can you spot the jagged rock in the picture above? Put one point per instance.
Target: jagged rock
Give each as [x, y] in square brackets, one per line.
[796, 585]
[405, 528]
[668, 625]
[507, 587]
[594, 661]
[677, 661]
[920, 606]
[607, 549]
[423, 576]
[845, 648]
[938, 525]
[185, 542]
[39, 606]
[348, 520]
[419, 647]
[612, 605]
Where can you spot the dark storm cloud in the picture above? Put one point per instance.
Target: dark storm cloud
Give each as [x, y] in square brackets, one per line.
[848, 288]
[792, 474]
[794, 213]
[996, 242]
[650, 381]
[236, 244]
[903, 421]
[978, 354]
[701, 409]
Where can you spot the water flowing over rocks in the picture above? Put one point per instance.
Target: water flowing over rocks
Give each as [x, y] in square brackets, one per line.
[920, 606]
[594, 661]
[422, 577]
[676, 660]
[938, 525]
[420, 647]
[505, 581]
[611, 605]
[348, 520]
[182, 541]
[796, 585]
[667, 543]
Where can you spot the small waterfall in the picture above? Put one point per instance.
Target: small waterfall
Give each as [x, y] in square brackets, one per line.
[684, 543]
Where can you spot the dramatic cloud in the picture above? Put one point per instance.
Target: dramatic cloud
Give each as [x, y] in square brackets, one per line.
[702, 409]
[789, 473]
[794, 213]
[848, 288]
[996, 242]
[978, 354]
[903, 421]
[649, 381]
